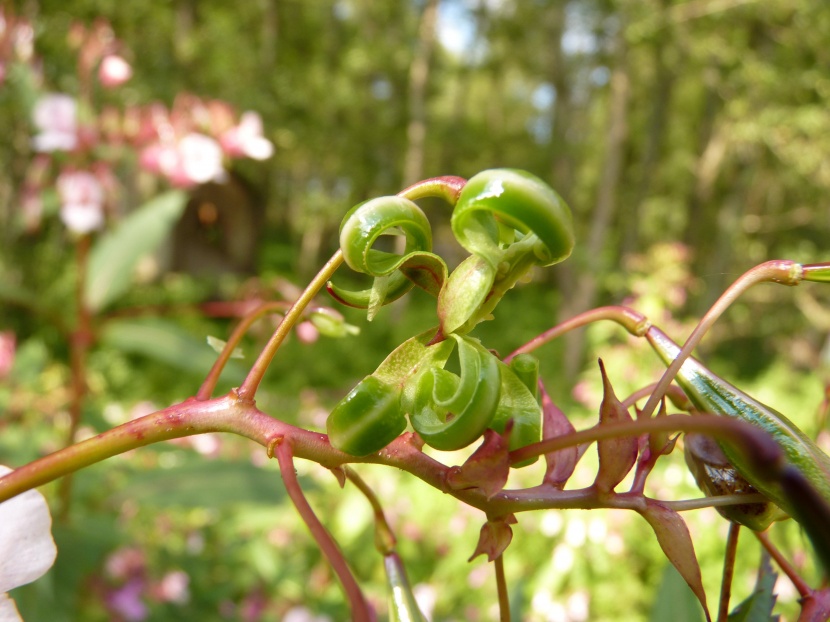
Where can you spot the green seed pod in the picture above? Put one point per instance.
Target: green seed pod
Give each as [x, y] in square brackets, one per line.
[716, 476]
[711, 394]
[367, 419]
[450, 412]
[519, 200]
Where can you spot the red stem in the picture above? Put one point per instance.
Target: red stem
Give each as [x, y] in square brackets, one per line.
[728, 571]
[361, 612]
[801, 586]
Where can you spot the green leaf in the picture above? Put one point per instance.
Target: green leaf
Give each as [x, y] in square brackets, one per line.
[675, 601]
[758, 606]
[116, 253]
[168, 343]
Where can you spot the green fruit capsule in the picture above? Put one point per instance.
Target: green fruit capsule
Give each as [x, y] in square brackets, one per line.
[711, 394]
[367, 419]
[450, 412]
[516, 199]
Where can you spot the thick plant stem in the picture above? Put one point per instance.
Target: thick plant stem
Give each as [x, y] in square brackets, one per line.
[501, 586]
[728, 571]
[739, 432]
[244, 325]
[361, 611]
[248, 389]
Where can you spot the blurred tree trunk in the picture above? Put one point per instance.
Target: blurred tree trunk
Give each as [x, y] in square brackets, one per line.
[270, 31]
[661, 92]
[416, 130]
[582, 292]
[561, 164]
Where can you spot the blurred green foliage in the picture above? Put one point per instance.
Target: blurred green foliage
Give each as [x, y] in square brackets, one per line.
[691, 141]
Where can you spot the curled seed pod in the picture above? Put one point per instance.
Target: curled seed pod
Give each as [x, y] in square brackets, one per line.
[716, 476]
[449, 411]
[360, 230]
[517, 404]
[495, 201]
[526, 368]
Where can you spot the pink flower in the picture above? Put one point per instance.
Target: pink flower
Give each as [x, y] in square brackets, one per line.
[7, 350]
[246, 139]
[55, 116]
[174, 587]
[160, 159]
[307, 332]
[114, 71]
[82, 201]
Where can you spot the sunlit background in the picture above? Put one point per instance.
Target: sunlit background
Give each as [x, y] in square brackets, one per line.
[690, 139]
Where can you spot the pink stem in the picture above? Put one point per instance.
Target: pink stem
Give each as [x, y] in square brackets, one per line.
[361, 611]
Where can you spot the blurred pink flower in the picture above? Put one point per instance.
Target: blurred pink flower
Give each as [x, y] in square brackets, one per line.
[175, 587]
[27, 550]
[195, 159]
[8, 343]
[82, 201]
[55, 116]
[246, 139]
[307, 332]
[114, 71]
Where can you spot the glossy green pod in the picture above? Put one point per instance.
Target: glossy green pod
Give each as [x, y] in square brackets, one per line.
[712, 394]
[449, 411]
[515, 198]
[367, 419]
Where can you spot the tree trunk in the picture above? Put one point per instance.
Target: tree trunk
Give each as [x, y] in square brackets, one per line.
[416, 131]
[584, 289]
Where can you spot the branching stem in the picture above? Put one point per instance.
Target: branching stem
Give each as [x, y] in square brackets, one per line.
[248, 389]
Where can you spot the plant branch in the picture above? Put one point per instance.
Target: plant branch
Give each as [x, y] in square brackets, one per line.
[778, 271]
[244, 325]
[248, 389]
[361, 611]
[786, 567]
[728, 571]
[501, 586]
[634, 322]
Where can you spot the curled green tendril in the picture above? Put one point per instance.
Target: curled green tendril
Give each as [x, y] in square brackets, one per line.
[451, 411]
[394, 274]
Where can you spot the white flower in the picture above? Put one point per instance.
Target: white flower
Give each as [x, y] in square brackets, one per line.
[82, 201]
[27, 550]
[200, 161]
[55, 115]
